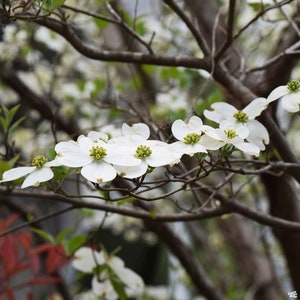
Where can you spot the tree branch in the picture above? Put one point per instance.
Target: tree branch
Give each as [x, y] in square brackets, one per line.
[195, 31]
[70, 35]
[227, 207]
[39, 103]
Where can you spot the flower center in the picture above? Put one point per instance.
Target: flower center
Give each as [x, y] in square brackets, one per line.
[230, 133]
[39, 161]
[240, 116]
[294, 86]
[192, 138]
[142, 152]
[97, 153]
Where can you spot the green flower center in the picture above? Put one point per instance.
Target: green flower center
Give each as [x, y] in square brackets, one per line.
[142, 152]
[230, 133]
[240, 116]
[97, 153]
[192, 138]
[294, 86]
[39, 161]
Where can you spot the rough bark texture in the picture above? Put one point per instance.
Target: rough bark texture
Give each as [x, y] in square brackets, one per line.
[253, 267]
[284, 203]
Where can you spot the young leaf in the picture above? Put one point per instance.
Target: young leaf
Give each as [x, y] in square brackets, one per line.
[74, 243]
[44, 234]
[62, 235]
[53, 4]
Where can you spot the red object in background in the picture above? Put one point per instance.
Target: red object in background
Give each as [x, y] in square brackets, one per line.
[18, 254]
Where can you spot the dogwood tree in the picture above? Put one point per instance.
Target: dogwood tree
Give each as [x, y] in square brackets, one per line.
[165, 127]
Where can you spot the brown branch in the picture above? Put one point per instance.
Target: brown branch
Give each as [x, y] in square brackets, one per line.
[120, 21]
[203, 213]
[33, 100]
[85, 49]
[200, 278]
[227, 206]
[229, 31]
[195, 31]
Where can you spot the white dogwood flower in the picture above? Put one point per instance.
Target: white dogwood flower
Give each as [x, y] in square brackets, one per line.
[289, 94]
[94, 156]
[232, 136]
[40, 171]
[88, 260]
[191, 137]
[151, 153]
[243, 121]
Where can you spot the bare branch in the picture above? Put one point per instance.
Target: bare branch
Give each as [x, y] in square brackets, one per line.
[195, 31]
[70, 35]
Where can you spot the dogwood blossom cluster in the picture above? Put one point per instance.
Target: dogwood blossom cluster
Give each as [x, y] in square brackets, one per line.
[109, 271]
[132, 154]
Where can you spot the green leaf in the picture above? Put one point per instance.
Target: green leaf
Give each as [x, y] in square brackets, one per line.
[171, 72]
[3, 124]
[16, 124]
[175, 115]
[9, 113]
[6, 165]
[61, 172]
[53, 4]
[101, 24]
[118, 286]
[51, 153]
[62, 235]
[74, 243]
[126, 200]
[44, 234]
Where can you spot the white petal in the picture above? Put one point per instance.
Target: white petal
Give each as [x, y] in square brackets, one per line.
[255, 107]
[291, 102]
[210, 143]
[278, 93]
[213, 115]
[180, 129]
[195, 124]
[128, 141]
[104, 289]
[259, 135]
[71, 155]
[132, 172]
[122, 156]
[37, 176]
[136, 129]
[220, 111]
[116, 263]
[181, 148]
[16, 173]
[96, 135]
[53, 163]
[86, 259]
[134, 282]
[248, 148]
[215, 133]
[177, 149]
[98, 172]
[86, 143]
[161, 155]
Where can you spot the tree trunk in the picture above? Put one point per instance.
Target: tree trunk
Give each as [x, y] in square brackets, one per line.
[284, 203]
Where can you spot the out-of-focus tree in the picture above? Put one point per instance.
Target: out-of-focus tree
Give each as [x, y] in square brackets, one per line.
[164, 142]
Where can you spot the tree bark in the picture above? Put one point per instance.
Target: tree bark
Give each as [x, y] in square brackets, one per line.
[284, 203]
